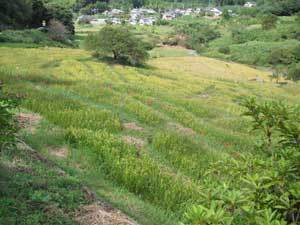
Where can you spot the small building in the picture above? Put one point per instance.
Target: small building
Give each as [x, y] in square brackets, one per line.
[214, 12]
[116, 20]
[188, 12]
[168, 16]
[85, 19]
[116, 12]
[147, 21]
[250, 4]
[98, 22]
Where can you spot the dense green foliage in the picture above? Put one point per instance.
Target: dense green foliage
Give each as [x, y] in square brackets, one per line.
[119, 42]
[33, 192]
[32, 13]
[243, 39]
[280, 7]
[268, 21]
[8, 126]
[33, 38]
[193, 34]
[294, 72]
[256, 190]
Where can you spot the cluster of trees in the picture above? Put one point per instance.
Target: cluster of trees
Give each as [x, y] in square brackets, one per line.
[193, 34]
[277, 7]
[32, 13]
[89, 6]
[280, 7]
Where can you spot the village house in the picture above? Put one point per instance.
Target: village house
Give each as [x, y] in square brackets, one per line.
[143, 16]
[250, 4]
[97, 22]
[214, 12]
[168, 16]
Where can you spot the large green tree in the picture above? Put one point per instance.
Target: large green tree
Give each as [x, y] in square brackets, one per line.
[118, 42]
[15, 13]
[62, 14]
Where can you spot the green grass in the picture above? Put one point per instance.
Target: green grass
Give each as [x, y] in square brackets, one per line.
[33, 192]
[171, 52]
[48, 137]
[28, 39]
[247, 42]
[89, 100]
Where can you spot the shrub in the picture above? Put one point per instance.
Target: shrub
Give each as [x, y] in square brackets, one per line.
[278, 72]
[268, 21]
[57, 31]
[162, 22]
[238, 35]
[8, 126]
[273, 117]
[63, 15]
[119, 42]
[256, 188]
[282, 56]
[224, 50]
[281, 8]
[294, 72]
[226, 15]
[197, 34]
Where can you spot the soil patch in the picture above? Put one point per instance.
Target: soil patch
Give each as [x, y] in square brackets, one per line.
[29, 121]
[58, 152]
[183, 130]
[39, 157]
[132, 126]
[204, 95]
[137, 142]
[96, 214]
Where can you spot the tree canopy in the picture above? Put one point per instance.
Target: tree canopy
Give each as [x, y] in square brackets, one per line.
[31, 14]
[118, 42]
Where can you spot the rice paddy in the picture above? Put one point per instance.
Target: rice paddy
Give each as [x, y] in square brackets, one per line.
[184, 109]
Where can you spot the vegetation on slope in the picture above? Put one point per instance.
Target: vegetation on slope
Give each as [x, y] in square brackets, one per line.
[189, 123]
[242, 39]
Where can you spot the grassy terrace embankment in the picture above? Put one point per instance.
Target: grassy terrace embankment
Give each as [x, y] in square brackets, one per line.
[179, 113]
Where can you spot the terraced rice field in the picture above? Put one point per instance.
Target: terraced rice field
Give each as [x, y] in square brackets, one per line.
[152, 130]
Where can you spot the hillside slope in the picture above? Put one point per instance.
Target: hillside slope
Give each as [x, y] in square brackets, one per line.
[152, 131]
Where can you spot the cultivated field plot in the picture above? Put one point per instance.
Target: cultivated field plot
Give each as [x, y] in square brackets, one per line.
[153, 130]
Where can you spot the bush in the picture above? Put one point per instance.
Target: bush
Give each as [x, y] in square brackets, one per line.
[282, 56]
[62, 15]
[282, 7]
[197, 34]
[238, 37]
[23, 36]
[268, 21]
[224, 50]
[259, 188]
[8, 125]
[294, 72]
[57, 31]
[119, 42]
[162, 22]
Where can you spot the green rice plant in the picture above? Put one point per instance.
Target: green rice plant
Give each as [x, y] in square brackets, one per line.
[140, 175]
[183, 152]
